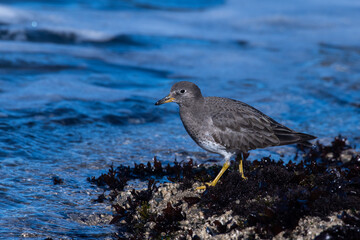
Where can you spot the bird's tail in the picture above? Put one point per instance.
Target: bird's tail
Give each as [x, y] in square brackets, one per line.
[287, 136]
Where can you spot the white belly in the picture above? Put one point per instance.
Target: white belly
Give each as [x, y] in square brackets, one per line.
[213, 147]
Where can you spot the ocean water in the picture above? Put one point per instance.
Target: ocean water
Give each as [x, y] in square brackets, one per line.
[79, 79]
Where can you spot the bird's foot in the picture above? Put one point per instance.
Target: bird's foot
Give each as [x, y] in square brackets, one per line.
[212, 184]
[243, 177]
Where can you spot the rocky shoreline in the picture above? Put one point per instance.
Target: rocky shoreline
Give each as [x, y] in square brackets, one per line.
[317, 198]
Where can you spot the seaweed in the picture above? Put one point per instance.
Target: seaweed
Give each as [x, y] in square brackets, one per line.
[117, 179]
[349, 231]
[167, 222]
[134, 218]
[134, 215]
[273, 199]
[277, 195]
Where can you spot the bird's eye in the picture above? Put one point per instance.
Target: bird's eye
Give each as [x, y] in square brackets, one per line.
[182, 91]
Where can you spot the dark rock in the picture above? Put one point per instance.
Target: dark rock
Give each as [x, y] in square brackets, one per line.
[274, 198]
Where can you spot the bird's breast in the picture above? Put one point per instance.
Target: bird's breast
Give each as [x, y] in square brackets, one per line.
[196, 125]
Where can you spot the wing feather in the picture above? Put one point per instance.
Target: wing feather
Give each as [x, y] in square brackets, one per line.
[239, 126]
[243, 129]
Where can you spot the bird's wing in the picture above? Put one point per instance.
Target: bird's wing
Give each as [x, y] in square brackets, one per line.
[243, 129]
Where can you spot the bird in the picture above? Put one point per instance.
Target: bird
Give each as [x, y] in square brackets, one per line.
[226, 126]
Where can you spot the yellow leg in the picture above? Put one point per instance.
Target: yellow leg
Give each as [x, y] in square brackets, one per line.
[213, 183]
[241, 169]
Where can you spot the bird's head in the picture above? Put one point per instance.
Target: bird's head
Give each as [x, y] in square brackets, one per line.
[182, 93]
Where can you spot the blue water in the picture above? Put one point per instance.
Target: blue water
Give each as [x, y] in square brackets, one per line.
[78, 82]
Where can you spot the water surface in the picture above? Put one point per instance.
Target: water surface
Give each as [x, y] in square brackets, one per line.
[79, 80]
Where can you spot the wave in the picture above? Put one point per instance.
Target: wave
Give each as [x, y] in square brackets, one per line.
[68, 113]
[122, 4]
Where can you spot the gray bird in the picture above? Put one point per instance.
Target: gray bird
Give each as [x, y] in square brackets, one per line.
[226, 126]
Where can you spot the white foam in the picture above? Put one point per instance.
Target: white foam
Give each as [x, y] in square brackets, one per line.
[12, 15]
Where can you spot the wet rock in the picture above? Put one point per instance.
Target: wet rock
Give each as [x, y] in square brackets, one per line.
[293, 200]
[350, 230]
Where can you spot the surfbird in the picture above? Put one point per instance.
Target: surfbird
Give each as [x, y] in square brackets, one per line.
[226, 126]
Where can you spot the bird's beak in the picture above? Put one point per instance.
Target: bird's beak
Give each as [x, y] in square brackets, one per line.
[166, 99]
